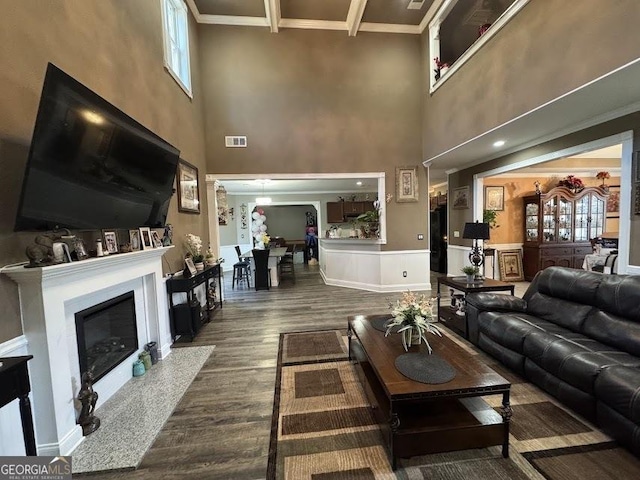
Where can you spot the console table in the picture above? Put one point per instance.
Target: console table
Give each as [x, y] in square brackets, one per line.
[187, 318]
[14, 383]
[448, 315]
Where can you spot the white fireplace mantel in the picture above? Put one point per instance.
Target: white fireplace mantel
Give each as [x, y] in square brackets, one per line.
[49, 298]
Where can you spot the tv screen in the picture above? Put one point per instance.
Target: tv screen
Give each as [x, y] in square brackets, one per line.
[91, 166]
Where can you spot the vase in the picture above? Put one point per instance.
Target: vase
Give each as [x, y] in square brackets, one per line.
[199, 266]
[410, 337]
[470, 278]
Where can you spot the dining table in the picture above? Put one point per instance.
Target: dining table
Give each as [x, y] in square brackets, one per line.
[275, 254]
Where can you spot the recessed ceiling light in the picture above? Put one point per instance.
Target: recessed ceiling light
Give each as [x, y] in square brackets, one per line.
[359, 183]
[499, 143]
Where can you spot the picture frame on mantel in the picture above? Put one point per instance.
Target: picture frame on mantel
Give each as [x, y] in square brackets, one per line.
[406, 184]
[188, 189]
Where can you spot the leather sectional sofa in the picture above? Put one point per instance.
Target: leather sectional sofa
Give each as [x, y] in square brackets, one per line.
[576, 335]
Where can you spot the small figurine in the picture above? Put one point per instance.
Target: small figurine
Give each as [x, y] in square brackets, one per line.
[167, 239]
[88, 398]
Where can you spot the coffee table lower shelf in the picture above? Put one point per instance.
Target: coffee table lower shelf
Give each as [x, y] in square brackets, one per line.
[419, 426]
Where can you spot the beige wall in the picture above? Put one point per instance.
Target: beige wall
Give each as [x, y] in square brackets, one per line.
[549, 48]
[511, 219]
[319, 102]
[114, 48]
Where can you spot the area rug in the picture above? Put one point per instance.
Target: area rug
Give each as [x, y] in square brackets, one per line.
[132, 418]
[323, 428]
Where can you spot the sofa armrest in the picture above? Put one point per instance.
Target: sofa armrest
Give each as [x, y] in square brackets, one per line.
[493, 302]
[476, 303]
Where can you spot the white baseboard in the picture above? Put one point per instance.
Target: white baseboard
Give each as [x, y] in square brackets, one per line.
[374, 287]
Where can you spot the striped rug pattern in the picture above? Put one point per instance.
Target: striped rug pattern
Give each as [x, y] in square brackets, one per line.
[323, 428]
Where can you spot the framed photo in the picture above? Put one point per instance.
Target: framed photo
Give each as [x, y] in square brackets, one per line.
[494, 198]
[188, 192]
[134, 240]
[110, 241]
[510, 263]
[613, 202]
[406, 184]
[190, 265]
[145, 238]
[155, 239]
[461, 197]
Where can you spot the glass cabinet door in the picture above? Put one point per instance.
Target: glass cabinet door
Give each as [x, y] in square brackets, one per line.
[531, 211]
[582, 219]
[596, 227]
[549, 212]
[565, 220]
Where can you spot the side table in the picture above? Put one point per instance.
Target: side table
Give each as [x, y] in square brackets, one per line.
[448, 315]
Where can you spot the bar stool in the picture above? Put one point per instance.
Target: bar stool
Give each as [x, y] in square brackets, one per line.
[241, 270]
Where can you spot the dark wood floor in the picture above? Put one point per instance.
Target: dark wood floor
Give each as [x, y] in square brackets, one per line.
[221, 427]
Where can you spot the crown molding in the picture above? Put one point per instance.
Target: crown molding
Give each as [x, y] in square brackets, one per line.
[234, 20]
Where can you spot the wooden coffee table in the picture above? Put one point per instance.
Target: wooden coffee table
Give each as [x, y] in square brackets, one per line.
[419, 418]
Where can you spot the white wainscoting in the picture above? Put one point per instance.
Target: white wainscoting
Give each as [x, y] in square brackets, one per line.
[632, 270]
[365, 267]
[11, 443]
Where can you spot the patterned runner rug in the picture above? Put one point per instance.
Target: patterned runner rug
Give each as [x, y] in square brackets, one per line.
[323, 429]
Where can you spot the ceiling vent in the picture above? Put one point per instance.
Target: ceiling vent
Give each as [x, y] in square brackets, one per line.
[415, 4]
[235, 141]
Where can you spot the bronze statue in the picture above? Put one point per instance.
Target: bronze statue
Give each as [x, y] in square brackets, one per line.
[88, 398]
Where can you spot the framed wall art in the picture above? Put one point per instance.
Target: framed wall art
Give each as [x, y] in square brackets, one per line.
[613, 202]
[494, 198]
[188, 191]
[461, 197]
[406, 184]
[510, 263]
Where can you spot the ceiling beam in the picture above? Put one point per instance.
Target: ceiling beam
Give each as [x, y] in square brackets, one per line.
[272, 8]
[354, 17]
[194, 9]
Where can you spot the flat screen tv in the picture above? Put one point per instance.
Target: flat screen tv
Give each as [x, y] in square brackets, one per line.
[91, 166]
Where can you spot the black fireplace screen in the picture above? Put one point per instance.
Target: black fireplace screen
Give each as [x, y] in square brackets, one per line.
[106, 334]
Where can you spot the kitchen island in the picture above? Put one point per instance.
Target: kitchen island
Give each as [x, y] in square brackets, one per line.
[367, 264]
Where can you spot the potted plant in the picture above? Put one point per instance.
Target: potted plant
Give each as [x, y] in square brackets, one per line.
[371, 221]
[470, 271]
[490, 217]
[413, 314]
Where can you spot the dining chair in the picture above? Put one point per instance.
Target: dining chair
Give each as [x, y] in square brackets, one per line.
[241, 270]
[287, 267]
[261, 265]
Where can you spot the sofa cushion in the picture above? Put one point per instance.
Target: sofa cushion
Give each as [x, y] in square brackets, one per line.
[570, 284]
[619, 332]
[562, 312]
[510, 329]
[620, 295]
[575, 359]
[619, 388]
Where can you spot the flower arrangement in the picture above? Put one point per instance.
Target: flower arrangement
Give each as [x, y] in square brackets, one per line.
[194, 247]
[571, 182]
[440, 65]
[265, 239]
[412, 314]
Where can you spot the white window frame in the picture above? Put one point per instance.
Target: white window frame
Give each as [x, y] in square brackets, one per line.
[176, 47]
[434, 39]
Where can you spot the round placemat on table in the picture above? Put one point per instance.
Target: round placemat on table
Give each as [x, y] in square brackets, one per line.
[425, 368]
[380, 324]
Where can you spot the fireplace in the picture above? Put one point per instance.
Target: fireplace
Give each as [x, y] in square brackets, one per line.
[106, 334]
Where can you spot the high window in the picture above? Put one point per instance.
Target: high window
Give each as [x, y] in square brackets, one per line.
[460, 28]
[175, 23]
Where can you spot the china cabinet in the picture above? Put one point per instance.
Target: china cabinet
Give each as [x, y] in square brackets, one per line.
[559, 226]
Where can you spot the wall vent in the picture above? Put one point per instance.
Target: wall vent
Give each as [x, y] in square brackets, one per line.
[415, 4]
[236, 141]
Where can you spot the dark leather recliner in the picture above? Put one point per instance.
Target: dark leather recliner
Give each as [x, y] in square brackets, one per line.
[575, 334]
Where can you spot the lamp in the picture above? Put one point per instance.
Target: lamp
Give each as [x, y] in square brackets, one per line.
[263, 200]
[476, 231]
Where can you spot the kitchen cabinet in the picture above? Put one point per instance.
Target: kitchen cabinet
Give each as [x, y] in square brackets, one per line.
[342, 212]
[559, 226]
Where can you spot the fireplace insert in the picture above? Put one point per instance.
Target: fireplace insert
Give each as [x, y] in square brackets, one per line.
[106, 334]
